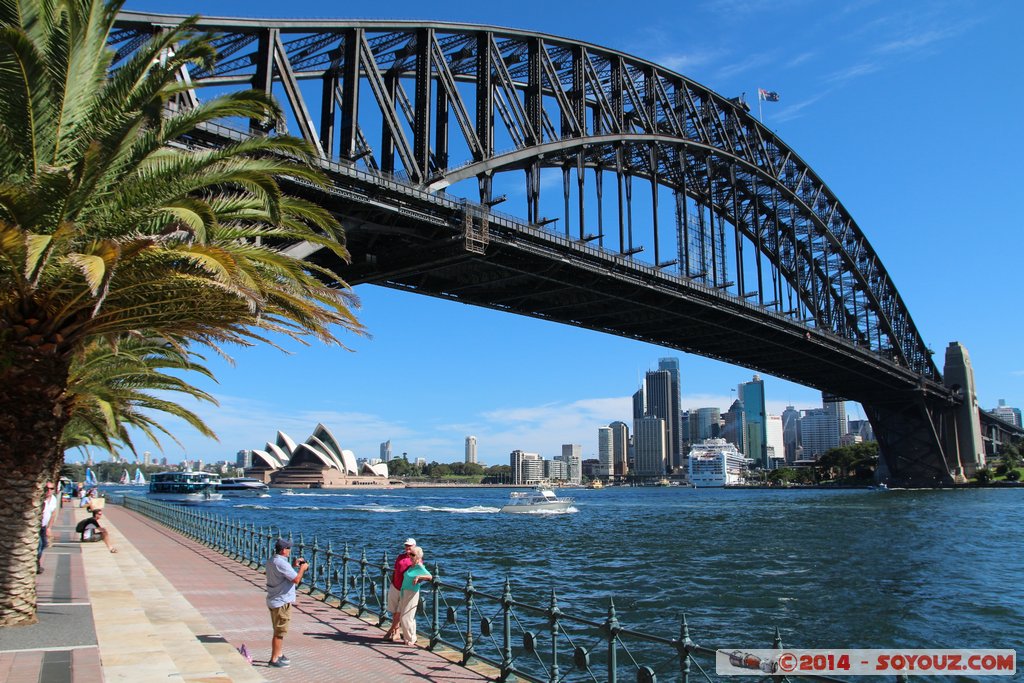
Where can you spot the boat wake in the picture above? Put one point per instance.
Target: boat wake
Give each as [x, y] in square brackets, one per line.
[568, 511]
[476, 509]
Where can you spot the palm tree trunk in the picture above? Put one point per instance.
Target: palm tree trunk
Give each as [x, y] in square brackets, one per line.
[32, 416]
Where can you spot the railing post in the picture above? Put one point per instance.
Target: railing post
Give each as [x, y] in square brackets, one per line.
[506, 640]
[328, 568]
[362, 583]
[344, 575]
[553, 614]
[467, 650]
[385, 588]
[611, 625]
[435, 611]
[314, 565]
[685, 647]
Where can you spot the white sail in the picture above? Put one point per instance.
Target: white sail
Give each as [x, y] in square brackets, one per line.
[139, 479]
[125, 479]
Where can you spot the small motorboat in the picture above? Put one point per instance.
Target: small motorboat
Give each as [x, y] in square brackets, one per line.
[538, 500]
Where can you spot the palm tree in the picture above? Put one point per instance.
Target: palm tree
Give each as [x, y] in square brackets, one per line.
[111, 390]
[108, 229]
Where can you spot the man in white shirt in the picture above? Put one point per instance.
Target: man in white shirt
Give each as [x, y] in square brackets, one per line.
[49, 511]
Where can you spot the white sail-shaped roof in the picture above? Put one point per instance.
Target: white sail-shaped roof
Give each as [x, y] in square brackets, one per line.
[264, 459]
[349, 460]
[305, 452]
[326, 450]
[378, 470]
[286, 443]
[277, 452]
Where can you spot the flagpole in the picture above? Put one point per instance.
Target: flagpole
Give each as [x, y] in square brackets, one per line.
[760, 118]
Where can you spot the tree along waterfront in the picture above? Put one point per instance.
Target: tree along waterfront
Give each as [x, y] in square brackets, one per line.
[829, 568]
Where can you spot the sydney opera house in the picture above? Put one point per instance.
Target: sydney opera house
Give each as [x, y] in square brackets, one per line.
[319, 462]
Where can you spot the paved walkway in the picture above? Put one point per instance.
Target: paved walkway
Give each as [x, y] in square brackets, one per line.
[166, 609]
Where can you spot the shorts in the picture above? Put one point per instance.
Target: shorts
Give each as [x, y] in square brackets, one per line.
[394, 595]
[280, 617]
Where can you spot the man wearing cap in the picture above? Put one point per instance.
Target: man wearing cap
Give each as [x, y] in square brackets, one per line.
[402, 563]
[282, 578]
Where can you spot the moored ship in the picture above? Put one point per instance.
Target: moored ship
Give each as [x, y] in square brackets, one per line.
[716, 463]
[242, 486]
[184, 487]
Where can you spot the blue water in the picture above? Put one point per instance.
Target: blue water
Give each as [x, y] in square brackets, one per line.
[836, 569]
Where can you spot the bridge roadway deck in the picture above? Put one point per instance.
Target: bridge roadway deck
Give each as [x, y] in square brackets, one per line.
[165, 608]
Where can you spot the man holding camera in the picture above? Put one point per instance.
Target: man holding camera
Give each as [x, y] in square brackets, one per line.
[282, 578]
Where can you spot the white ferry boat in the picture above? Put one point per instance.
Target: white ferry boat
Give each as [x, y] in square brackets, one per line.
[716, 463]
[242, 486]
[184, 487]
[538, 500]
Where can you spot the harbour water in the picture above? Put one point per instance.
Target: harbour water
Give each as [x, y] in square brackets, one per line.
[829, 568]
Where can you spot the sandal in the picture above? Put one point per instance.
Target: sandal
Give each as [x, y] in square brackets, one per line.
[113, 550]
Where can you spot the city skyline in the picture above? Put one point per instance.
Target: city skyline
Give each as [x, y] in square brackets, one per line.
[864, 96]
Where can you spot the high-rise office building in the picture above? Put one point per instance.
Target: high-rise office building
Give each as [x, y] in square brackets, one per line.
[651, 447]
[704, 424]
[819, 431]
[556, 470]
[527, 468]
[838, 411]
[639, 407]
[735, 427]
[661, 402]
[1007, 413]
[620, 448]
[671, 366]
[470, 450]
[791, 432]
[385, 451]
[756, 416]
[776, 442]
[605, 452]
[572, 456]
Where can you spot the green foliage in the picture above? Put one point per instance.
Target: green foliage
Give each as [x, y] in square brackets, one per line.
[1013, 475]
[846, 461]
[983, 476]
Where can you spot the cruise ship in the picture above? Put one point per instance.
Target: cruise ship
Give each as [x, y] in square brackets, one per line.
[716, 462]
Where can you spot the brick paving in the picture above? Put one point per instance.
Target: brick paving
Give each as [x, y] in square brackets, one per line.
[323, 643]
[166, 608]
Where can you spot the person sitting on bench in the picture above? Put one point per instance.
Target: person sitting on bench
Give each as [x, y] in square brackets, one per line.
[91, 530]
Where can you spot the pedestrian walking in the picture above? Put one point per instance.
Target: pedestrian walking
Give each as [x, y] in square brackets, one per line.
[282, 578]
[49, 513]
[414, 576]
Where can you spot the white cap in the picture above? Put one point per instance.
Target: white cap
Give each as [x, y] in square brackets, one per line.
[410, 541]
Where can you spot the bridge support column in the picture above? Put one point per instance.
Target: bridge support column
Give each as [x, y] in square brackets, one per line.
[965, 439]
[912, 442]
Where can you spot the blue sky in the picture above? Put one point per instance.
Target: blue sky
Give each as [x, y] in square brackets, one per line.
[909, 111]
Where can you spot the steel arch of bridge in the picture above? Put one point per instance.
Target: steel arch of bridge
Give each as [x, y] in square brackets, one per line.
[752, 222]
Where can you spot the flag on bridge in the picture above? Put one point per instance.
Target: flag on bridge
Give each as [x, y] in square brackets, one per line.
[767, 95]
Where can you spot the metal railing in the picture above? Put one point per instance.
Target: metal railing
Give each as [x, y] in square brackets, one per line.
[537, 643]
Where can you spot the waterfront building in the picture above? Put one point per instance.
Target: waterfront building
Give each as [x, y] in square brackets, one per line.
[421, 462]
[756, 416]
[556, 470]
[527, 468]
[620, 448]
[639, 407]
[1007, 414]
[790, 432]
[572, 456]
[147, 458]
[861, 428]
[243, 458]
[776, 442]
[605, 457]
[660, 402]
[470, 450]
[715, 463]
[735, 426]
[319, 462]
[385, 451]
[592, 468]
[651, 447]
[850, 439]
[819, 432]
[684, 429]
[837, 408]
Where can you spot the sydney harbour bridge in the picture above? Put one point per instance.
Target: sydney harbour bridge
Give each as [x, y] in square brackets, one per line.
[636, 202]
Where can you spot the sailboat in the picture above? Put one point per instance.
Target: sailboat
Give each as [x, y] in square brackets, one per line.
[125, 479]
[139, 480]
[90, 478]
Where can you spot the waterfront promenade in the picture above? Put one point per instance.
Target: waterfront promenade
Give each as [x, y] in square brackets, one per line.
[164, 608]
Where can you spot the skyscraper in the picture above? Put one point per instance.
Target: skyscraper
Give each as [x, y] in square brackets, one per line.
[704, 424]
[671, 366]
[735, 428]
[756, 416]
[651, 447]
[819, 431]
[470, 450]
[605, 452]
[791, 432]
[385, 451]
[527, 468]
[838, 411]
[620, 448]
[661, 402]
